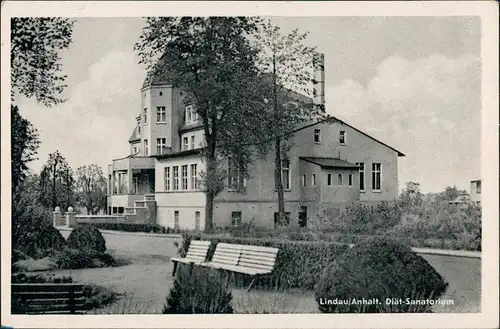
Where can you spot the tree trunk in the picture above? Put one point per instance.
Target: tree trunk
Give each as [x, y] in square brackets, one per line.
[278, 179]
[209, 206]
[54, 186]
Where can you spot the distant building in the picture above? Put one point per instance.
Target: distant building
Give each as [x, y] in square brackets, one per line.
[465, 198]
[475, 190]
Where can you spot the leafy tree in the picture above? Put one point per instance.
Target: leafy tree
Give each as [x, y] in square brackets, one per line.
[35, 62]
[24, 146]
[91, 187]
[56, 182]
[287, 62]
[211, 60]
[411, 195]
[450, 193]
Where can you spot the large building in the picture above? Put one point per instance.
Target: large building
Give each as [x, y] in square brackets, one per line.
[329, 164]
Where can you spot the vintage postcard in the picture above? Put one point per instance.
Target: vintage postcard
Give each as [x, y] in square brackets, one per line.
[250, 164]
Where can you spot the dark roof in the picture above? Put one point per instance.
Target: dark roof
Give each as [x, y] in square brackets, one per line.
[177, 154]
[331, 118]
[329, 163]
[134, 137]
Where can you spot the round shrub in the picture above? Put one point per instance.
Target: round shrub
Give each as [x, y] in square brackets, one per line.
[378, 269]
[74, 259]
[202, 291]
[36, 240]
[87, 238]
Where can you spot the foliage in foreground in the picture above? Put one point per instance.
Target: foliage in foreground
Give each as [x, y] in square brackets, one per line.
[298, 265]
[202, 291]
[378, 269]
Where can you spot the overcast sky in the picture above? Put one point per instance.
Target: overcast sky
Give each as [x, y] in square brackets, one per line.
[411, 82]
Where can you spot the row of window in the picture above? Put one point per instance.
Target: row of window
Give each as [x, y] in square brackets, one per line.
[188, 143]
[342, 136]
[236, 218]
[191, 115]
[172, 178]
[197, 219]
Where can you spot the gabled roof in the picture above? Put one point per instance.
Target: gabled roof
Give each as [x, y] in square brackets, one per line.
[331, 118]
[330, 163]
[134, 137]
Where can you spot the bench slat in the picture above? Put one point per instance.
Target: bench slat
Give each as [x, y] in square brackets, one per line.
[199, 243]
[187, 260]
[53, 301]
[53, 308]
[261, 259]
[46, 287]
[45, 294]
[248, 247]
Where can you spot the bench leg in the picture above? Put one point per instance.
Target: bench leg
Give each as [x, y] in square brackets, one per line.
[175, 268]
[251, 283]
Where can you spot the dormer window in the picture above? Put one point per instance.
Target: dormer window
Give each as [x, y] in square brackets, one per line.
[191, 115]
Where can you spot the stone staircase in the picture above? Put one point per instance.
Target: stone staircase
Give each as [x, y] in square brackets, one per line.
[143, 211]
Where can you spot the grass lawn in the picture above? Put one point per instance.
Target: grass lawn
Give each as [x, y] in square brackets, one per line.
[146, 281]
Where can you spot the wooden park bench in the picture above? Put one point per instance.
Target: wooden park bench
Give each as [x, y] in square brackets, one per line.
[47, 298]
[254, 261]
[196, 254]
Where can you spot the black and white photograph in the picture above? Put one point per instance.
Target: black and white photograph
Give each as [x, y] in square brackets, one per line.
[224, 158]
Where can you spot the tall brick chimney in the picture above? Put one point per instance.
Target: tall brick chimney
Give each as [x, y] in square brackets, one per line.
[319, 79]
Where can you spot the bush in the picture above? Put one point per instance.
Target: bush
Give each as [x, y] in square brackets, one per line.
[37, 240]
[378, 269]
[78, 259]
[31, 265]
[97, 296]
[298, 265]
[202, 291]
[87, 238]
[39, 278]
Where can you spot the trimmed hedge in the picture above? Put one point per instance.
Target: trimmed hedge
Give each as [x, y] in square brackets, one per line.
[299, 263]
[87, 238]
[378, 269]
[132, 227]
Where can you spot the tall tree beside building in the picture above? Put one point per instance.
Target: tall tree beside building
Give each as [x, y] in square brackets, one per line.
[57, 182]
[91, 187]
[212, 61]
[35, 61]
[289, 64]
[24, 146]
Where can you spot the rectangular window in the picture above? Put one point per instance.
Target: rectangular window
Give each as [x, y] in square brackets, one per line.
[233, 174]
[236, 218]
[139, 130]
[176, 219]
[167, 178]
[478, 187]
[194, 177]
[350, 179]
[145, 116]
[184, 169]
[175, 174]
[313, 180]
[304, 180]
[342, 137]
[361, 176]
[161, 115]
[135, 179]
[285, 174]
[160, 145]
[191, 114]
[329, 179]
[192, 142]
[185, 144]
[340, 179]
[146, 148]
[197, 219]
[317, 136]
[376, 171]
